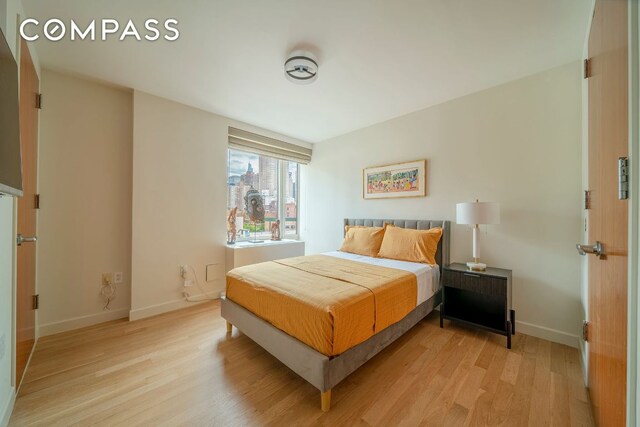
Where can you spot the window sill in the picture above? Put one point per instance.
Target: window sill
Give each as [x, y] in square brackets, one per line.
[248, 244]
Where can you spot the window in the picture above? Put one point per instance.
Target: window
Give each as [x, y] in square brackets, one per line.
[277, 182]
[291, 199]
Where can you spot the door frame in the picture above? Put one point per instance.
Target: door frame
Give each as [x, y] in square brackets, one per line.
[633, 348]
[14, 275]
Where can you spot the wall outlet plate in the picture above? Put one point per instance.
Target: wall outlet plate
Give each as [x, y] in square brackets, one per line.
[214, 272]
[188, 283]
[107, 279]
[118, 277]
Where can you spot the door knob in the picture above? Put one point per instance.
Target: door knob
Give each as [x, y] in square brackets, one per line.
[596, 249]
[21, 239]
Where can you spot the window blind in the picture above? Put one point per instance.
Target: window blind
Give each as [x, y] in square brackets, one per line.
[247, 141]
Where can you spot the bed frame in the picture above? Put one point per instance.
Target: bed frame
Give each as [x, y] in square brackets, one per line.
[324, 372]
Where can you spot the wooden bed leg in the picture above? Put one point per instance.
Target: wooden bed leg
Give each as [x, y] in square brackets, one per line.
[325, 400]
[229, 327]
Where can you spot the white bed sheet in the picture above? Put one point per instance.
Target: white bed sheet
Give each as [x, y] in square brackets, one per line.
[428, 277]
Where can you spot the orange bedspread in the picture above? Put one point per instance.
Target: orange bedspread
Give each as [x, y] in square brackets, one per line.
[330, 304]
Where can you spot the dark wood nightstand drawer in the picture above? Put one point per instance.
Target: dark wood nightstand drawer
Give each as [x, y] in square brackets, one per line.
[478, 283]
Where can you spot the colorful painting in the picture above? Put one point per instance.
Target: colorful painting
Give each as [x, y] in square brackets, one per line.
[399, 180]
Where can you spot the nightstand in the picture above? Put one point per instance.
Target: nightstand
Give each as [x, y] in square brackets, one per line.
[478, 298]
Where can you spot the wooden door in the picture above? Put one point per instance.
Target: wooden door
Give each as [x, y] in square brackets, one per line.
[607, 221]
[26, 252]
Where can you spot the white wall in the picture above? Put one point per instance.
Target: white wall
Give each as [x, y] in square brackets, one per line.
[85, 179]
[518, 144]
[9, 11]
[179, 199]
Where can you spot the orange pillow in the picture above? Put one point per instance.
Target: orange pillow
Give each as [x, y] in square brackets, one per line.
[362, 240]
[410, 245]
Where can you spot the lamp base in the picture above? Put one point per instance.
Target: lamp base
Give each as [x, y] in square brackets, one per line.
[477, 266]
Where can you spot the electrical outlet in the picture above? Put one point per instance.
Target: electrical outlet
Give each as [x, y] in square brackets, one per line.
[107, 279]
[118, 277]
[214, 272]
[188, 283]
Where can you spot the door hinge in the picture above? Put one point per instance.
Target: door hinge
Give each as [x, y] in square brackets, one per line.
[585, 330]
[36, 201]
[36, 302]
[623, 178]
[39, 101]
[587, 199]
[587, 68]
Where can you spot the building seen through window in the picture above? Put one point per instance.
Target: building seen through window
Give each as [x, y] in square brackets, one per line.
[277, 182]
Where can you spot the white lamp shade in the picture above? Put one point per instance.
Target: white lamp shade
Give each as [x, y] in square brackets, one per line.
[478, 213]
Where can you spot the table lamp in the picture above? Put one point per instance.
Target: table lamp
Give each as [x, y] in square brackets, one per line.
[476, 213]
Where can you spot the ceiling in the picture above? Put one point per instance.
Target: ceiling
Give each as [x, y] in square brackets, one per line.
[378, 59]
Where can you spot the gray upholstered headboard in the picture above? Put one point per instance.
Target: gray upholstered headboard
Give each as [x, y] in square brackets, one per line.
[442, 256]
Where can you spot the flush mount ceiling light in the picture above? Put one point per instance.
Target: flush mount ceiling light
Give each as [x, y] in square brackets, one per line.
[301, 68]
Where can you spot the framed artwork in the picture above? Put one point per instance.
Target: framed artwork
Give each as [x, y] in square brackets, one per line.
[397, 180]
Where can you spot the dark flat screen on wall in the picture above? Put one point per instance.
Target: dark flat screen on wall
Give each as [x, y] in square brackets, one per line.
[10, 158]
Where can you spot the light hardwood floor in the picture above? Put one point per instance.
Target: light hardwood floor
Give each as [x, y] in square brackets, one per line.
[181, 368]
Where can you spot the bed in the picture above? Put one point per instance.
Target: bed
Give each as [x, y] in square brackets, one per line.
[324, 346]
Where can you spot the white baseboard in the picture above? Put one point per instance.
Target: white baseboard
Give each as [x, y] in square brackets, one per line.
[153, 310]
[548, 334]
[5, 413]
[81, 322]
